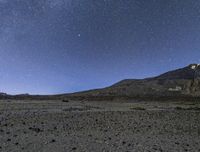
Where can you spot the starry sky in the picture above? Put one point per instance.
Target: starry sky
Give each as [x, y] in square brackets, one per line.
[61, 46]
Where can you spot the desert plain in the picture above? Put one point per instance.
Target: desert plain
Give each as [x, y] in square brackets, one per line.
[99, 126]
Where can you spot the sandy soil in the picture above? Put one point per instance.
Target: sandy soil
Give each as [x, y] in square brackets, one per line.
[56, 126]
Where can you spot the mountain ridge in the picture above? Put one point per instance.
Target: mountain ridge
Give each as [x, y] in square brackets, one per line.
[179, 83]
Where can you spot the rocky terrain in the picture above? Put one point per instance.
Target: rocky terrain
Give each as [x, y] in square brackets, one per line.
[120, 126]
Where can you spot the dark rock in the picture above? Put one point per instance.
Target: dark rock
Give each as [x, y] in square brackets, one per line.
[177, 143]
[53, 140]
[123, 142]
[8, 139]
[14, 135]
[65, 100]
[37, 130]
[7, 132]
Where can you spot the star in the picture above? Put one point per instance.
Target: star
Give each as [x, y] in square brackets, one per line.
[93, 43]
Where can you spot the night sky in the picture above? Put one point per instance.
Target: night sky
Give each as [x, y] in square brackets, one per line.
[61, 46]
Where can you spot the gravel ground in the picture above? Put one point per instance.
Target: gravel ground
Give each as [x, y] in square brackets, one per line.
[54, 126]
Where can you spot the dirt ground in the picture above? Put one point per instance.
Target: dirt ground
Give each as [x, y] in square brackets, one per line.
[115, 126]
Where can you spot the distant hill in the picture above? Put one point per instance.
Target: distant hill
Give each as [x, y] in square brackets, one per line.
[3, 94]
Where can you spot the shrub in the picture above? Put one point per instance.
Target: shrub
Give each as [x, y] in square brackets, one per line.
[65, 100]
[137, 108]
[179, 108]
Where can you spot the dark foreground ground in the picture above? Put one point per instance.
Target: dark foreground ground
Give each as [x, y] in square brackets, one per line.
[56, 126]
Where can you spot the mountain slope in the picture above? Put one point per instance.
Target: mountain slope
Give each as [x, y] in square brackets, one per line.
[180, 82]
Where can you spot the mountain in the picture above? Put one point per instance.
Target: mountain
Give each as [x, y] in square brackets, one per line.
[180, 84]
[3, 94]
[183, 82]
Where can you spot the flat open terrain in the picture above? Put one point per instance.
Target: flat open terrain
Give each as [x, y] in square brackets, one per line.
[115, 126]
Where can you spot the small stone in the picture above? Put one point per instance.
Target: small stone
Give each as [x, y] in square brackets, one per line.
[7, 132]
[8, 139]
[123, 142]
[37, 130]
